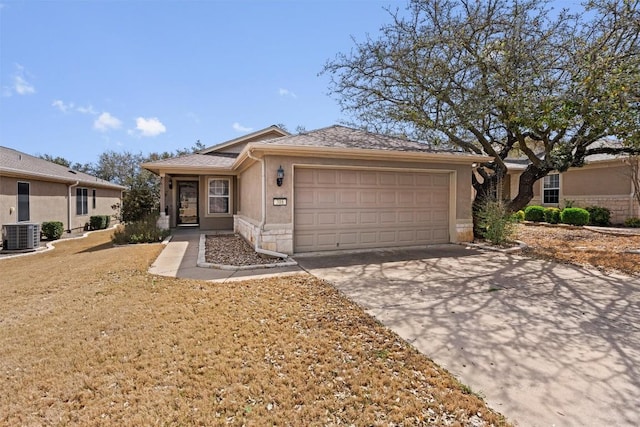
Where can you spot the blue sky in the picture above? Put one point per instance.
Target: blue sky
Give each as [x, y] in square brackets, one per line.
[78, 78]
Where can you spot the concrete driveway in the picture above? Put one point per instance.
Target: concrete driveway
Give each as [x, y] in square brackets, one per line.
[545, 344]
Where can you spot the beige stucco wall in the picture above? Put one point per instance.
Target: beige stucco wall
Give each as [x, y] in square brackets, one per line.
[589, 181]
[250, 192]
[48, 202]
[277, 232]
[602, 184]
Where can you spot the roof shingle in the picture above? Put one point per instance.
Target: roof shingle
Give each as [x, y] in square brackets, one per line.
[18, 163]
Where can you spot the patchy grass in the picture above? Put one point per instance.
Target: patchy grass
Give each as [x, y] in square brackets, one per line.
[582, 247]
[87, 337]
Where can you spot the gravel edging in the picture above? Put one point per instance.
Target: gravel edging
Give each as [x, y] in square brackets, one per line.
[237, 248]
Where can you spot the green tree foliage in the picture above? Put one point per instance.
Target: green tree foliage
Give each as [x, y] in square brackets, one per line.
[501, 78]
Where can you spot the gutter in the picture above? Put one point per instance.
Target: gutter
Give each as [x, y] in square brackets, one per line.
[256, 247]
[69, 205]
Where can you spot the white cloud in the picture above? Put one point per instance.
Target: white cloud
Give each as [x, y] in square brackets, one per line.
[60, 105]
[20, 84]
[239, 128]
[150, 127]
[286, 92]
[106, 122]
[86, 110]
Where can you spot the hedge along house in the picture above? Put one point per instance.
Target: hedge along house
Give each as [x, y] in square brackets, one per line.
[35, 190]
[328, 189]
[605, 180]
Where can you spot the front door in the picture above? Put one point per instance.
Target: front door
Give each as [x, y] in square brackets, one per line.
[187, 202]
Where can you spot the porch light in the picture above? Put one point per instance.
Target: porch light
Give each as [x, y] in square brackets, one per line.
[280, 176]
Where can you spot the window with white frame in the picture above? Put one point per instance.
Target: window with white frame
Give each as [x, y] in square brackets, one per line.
[219, 191]
[551, 189]
[82, 201]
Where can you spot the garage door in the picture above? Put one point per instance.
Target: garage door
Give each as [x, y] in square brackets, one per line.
[353, 209]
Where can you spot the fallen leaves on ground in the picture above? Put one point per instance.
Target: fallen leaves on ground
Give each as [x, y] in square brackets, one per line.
[609, 252]
[88, 337]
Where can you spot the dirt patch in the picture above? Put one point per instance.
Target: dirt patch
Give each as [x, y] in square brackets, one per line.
[88, 337]
[232, 249]
[582, 247]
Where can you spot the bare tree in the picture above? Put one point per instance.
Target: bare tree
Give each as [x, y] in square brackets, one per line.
[498, 76]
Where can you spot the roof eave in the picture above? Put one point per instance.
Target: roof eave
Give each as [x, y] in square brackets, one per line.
[357, 153]
[19, 173]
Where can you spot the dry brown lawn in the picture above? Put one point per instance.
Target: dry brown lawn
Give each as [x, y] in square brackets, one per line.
[88, 337]
[582, 247]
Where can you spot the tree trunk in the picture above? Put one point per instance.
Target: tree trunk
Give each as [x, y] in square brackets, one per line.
[529, 177]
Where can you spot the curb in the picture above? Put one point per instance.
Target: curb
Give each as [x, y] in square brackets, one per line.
[521, 247]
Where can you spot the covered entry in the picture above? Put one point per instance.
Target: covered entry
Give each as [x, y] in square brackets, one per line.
[366, 208]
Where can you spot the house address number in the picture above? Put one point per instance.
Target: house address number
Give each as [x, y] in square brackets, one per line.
[279, 201]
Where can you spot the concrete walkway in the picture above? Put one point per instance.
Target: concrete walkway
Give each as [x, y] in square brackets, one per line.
[546, 344]
[180, 257]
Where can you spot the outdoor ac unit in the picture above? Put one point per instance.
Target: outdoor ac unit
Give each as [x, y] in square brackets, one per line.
[21, 236]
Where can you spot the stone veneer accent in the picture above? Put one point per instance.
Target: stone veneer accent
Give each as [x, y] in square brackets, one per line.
[464, 231]
[163, 221]
[621, 207]
[274, 237]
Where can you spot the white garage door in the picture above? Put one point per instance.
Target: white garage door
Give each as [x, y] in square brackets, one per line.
[353, 209]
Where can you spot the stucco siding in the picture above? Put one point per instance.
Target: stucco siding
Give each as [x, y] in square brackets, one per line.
[216, 221]
[604, 184]
[612, 180]
[250, 192]
[48, 201]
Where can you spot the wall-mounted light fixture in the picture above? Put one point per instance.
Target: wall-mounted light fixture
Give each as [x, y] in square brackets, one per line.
[280, 176]
[170, 183]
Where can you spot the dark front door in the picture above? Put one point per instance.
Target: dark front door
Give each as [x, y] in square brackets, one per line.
[187, 202]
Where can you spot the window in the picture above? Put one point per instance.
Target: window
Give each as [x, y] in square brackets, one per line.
[551, 189]
[23, 201]
[82, 205]
[93, 194]
[219, 196]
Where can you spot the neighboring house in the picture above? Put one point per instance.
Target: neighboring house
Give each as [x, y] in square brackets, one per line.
[332, 188]
[604, 180]
[35, 190]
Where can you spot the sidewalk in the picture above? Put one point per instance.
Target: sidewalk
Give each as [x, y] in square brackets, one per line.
[180, 258]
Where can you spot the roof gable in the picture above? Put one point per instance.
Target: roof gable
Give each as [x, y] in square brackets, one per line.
[237, 145]
[16, 163]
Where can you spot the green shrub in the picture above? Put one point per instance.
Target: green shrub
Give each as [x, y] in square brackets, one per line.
[99, 222]
[518, 216]
[52, 230]
[574, 216]
[599, 215]
[495, 223]
[534, 213]
[552, 215]
[142, 231]
[632, 222]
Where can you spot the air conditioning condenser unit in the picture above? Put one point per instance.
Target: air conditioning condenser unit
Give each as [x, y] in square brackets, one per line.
[21, 236]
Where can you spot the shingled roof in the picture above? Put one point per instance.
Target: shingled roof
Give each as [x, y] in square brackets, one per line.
[18, 164]
[345, 137]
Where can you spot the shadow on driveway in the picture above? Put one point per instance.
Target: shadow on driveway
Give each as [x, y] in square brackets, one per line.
[545, 343]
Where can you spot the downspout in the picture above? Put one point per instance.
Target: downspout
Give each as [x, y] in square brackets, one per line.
[256, 247]
[69, 205]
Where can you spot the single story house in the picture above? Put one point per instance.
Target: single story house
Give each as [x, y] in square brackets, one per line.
[35, 190]
[605, 180]
[327, 189]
